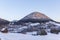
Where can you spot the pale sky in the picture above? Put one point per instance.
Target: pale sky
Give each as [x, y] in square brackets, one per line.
[17, 9]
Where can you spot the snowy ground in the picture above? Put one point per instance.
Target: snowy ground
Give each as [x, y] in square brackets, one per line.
[18, 36]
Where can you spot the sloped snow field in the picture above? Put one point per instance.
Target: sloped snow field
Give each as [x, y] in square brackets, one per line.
[18, 36]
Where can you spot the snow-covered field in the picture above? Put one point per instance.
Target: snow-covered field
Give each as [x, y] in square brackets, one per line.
[28, 36]
[18, 36]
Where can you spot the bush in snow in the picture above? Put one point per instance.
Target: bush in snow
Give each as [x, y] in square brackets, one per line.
[54, 30]
[41, 32]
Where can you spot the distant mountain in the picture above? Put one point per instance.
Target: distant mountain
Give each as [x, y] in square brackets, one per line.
[35, 17]
[3, 22]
